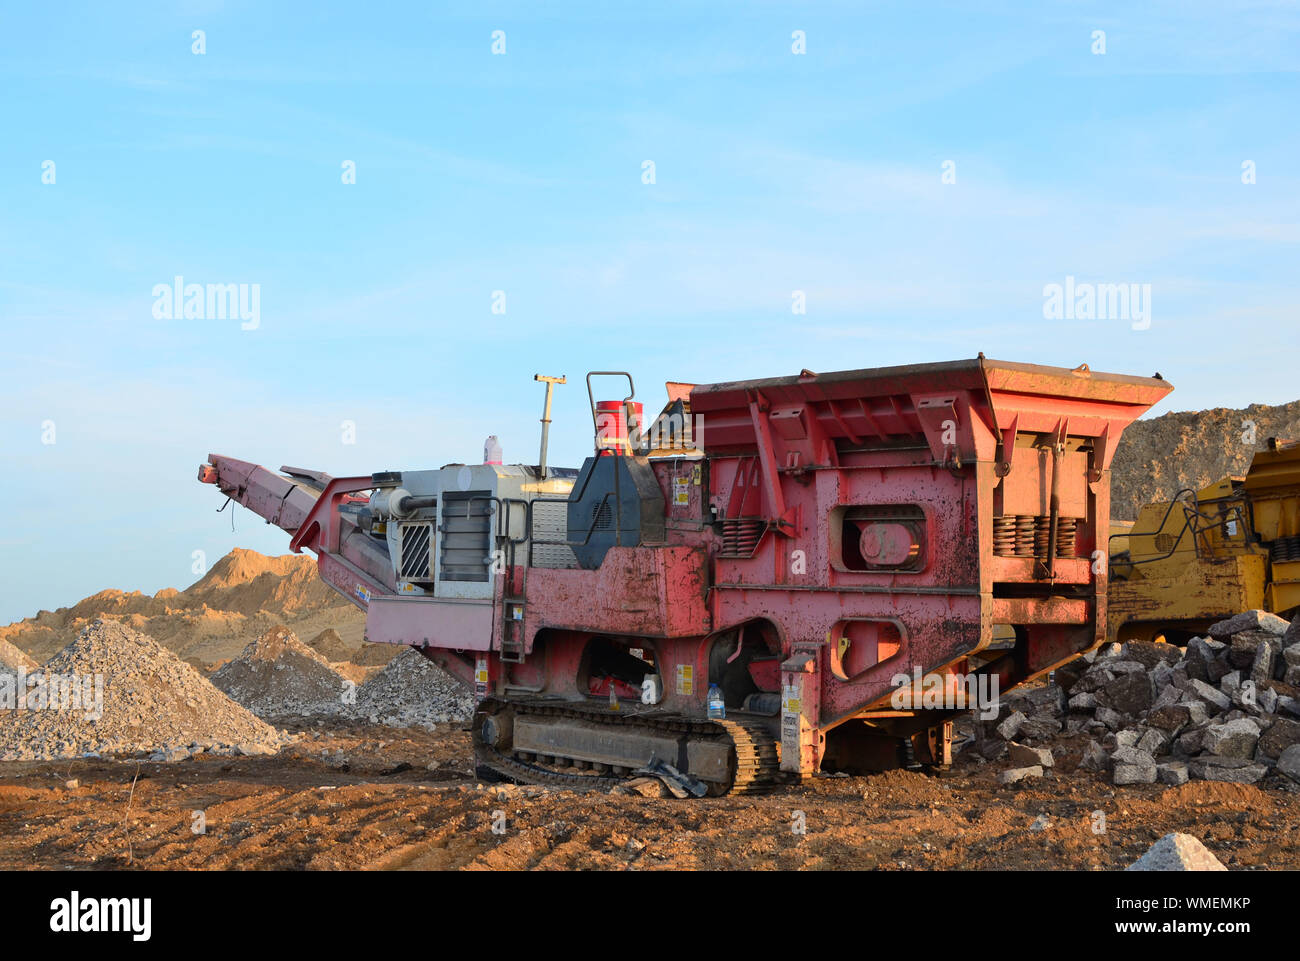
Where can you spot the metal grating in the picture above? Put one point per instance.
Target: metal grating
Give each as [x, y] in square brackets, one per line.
[417, 552]
[551, 524]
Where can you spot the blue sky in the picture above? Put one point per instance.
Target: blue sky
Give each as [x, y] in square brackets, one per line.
[522, 172]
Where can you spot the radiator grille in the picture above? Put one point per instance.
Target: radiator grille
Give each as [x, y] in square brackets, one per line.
[466, 543]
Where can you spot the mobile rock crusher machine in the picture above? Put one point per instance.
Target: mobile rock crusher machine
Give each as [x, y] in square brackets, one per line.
[800, 542]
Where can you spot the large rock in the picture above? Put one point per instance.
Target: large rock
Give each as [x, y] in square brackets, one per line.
[1114, 720]
[1292, 634]
[1012, 775]
[1211, 695]
[1261, 669]
[1245, 646]
[1235, 739]
[1289, 763]
[1172, 773]
[1093, 679]
[1129, 693]
[1232, 769]
[1022, 755]
[1010, 727]
[1171, 719]
[1133, 766]
[1200, 654]
[1040, 726]
[1197, 713]
[1044, 698]
[1154, 741]
[1134, 774]
[1094, 757]
[1177, 852]
[1068, 674]
[1291, 660]
[1167, 697]
[1083, 701]
[1249, 621]
[1150, 654]
[1280, 735]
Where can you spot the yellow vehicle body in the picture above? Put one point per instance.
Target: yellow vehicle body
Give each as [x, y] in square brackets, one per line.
[1230, 547]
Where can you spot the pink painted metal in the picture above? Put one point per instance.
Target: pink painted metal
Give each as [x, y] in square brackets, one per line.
[842, 529]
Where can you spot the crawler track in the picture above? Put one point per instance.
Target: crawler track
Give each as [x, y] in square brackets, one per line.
[755, 765]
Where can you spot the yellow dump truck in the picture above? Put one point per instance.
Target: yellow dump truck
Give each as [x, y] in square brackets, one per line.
[1230, 547]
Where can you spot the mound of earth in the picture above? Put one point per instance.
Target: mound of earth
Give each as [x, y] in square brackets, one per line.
[412, 691]
[114, 691]
[1159, 456]
[332, 647]
[244, 595]
[375, 655]
[278, 676]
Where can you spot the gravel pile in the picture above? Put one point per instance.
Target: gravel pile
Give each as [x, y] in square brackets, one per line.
[13, 660]
[278, 676]
[1177, 852]
[412, 691]
[1225, 708]
[134, 697]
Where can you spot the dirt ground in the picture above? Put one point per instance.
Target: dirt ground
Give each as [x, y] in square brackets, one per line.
[367, 797]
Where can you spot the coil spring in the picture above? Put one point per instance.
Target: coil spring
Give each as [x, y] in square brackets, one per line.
[1004, 536]
[1285, 549]
[1029, 535]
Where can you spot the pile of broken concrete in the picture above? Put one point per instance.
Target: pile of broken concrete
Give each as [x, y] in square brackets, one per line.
[1225, 708]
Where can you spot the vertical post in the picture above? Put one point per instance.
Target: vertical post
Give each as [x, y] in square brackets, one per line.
[546, 419]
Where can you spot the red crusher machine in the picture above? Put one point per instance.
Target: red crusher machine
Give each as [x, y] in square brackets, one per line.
[828, 550]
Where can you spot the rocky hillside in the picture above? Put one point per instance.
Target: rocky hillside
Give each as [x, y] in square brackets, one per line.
[1160, 456]
[239, 599]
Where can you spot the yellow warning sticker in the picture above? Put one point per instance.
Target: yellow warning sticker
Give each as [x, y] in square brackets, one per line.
[685, 679]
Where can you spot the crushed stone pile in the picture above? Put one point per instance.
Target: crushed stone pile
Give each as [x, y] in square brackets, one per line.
[13, 660]
[412, 691]
[150, 703]
[278, 676]
[1225, 708]
[1177, 852]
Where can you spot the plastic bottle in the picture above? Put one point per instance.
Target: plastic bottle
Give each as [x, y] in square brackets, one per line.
[717, 706]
